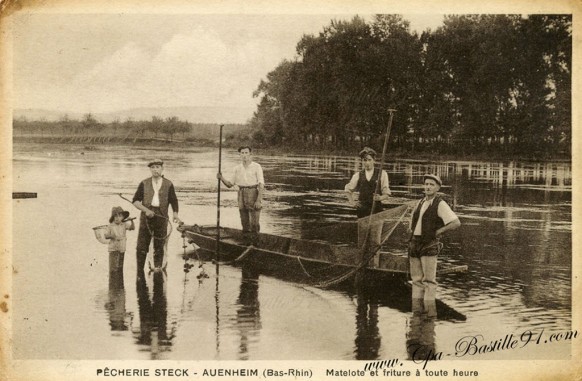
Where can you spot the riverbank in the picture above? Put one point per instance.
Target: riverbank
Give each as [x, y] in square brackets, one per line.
[97, 142]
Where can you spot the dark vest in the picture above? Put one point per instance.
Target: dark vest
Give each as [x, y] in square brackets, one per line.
[431, 222]
[367, 190]
[148, 194]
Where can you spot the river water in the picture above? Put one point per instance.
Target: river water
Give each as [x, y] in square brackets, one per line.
[516, 239]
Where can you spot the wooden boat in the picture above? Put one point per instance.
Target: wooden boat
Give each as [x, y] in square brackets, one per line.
[18, 195]
[305, 260]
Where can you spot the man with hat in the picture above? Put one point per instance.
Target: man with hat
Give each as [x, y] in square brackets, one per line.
[370, 196]
[431, 218]
[248, 176]
[153, 197]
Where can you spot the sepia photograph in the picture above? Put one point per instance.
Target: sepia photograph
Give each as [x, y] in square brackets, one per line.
[299, 191]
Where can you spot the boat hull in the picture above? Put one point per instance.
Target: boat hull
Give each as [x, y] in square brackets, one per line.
[302, 260]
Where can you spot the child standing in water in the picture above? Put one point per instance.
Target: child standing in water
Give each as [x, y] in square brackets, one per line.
[118, 225]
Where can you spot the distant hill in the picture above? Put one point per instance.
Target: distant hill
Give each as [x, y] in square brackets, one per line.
[190, 114]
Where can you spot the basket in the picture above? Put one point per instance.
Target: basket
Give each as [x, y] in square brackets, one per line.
[100, 233]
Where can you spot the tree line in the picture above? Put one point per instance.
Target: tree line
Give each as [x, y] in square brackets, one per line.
[88, 129]
[480, 83]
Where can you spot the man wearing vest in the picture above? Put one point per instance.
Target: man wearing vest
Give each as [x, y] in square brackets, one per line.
[153, 197]
[366, 183]
[431, 218]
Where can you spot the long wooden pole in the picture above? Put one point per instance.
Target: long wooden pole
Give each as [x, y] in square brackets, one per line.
[386, 138]
[218, 202]
[379, 181]
[363, 251]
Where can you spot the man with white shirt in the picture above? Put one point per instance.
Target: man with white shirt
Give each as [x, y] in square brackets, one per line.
[153, 197]
[370, 195]
[248, 176]
[431, 218]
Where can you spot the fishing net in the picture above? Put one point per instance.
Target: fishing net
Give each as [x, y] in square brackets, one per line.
[100, 233]
[373, 231]
[376, 229]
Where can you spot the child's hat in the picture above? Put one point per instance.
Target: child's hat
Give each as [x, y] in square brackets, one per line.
[118, 210]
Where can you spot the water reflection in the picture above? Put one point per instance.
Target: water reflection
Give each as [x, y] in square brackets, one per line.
[248, 313]
[420, 334]
[368, 337]
[516, 239]
[118, 316]
[153, 314]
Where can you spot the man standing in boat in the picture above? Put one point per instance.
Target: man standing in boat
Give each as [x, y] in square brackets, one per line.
[431, 218]
[370, 195]
[248, 176]
[153, 197]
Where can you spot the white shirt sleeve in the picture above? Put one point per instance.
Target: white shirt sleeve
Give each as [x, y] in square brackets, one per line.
[446, 213]
[351, 186]
[260, 178]
[385, 185]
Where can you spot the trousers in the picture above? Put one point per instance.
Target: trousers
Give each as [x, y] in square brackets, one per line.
[249, 215]
[158, 226]
[116, 261]
[423, 265]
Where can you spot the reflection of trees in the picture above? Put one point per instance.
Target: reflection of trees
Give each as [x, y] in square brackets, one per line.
[153, 315]
[248, 314]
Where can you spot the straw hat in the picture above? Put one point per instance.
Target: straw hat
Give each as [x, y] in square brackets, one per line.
[118, 210]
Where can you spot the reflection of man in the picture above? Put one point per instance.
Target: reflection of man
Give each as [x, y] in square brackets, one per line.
[248, 314]
[248, 176]
[431, 218]
[153, 197]
[153, 314]
[368, 338]
[420, 337]
[116, 305]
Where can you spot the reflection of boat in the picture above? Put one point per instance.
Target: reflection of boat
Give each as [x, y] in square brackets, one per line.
[311, 260]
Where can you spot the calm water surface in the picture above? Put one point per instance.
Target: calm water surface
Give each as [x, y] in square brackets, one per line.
[516, 239]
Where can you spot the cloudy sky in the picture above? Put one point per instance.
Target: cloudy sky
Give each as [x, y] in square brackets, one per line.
[109, 62]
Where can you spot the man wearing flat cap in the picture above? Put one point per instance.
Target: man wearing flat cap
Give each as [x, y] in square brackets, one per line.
[153, 197]
[370, 196]
[432, 217]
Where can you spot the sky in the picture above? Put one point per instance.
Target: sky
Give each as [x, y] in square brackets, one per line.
[99, 63]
